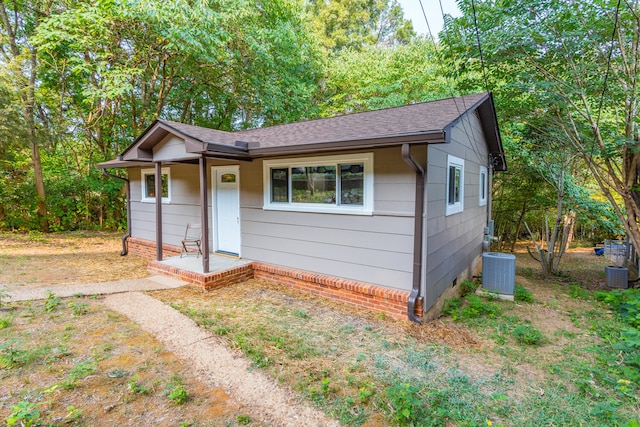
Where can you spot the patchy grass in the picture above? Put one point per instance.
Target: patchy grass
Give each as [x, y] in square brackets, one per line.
[70, 361]
[58, 367]
[550, 358]
[538, 361]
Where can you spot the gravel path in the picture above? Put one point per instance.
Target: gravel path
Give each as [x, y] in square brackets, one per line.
[215, 364]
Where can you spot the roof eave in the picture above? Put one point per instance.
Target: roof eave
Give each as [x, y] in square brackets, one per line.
[119, 163]
[430, 137]
[489, 122]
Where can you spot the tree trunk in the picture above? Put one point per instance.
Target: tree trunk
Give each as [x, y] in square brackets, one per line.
[29, 113]
[519, 225]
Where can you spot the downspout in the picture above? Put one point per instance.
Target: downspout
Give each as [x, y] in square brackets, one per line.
[127, 186]
[491, 233]
[417, 232]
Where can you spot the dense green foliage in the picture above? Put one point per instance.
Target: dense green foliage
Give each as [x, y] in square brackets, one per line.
[626, 341]
[105, 70]
[80, 80]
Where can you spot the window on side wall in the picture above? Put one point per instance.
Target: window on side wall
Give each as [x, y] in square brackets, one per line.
[483, 185]
[455, 185]
[332, 184]
[149, 185]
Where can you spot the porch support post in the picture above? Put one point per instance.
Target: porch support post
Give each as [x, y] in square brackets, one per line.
[158, 191]
[204, 213]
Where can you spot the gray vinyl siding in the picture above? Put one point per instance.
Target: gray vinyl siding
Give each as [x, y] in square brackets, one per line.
[374, 249]
[454, 241]
[171, 148]
[183, 208]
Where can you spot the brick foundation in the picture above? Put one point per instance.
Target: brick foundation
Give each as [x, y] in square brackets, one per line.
[147, 248]
[392, 302]
[208, 281]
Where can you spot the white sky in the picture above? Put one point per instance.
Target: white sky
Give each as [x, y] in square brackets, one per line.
[413, 12]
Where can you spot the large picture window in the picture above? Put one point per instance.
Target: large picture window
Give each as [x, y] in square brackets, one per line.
[455, 185]
[338, 184]
[149, 185]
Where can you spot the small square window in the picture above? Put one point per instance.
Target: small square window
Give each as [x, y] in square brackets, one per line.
[149, 185]
[455, 185]
[483, 185]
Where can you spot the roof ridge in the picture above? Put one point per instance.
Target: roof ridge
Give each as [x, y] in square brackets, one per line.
[365, 112]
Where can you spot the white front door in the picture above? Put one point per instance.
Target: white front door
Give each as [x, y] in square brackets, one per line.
[226, 209]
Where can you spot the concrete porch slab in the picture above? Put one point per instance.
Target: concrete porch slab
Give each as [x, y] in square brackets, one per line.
[216, 263]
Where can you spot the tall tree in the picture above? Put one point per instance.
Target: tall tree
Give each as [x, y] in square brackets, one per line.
[384, 76]
[355, 24]
[20, 62]
[574, 63]
[120, 64]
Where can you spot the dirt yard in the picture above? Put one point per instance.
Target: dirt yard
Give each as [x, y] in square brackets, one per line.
[339, 358]
[74, 362]
[65, 258]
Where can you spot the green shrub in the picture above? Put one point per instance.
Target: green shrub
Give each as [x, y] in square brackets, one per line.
[626, 302]
[243, 419]
[5, 322]
[528, 335]
[138, 388]
[452, 305]
[470, 307]
[52, 302]
[405, 403]
[177, 394]
[78, 308]
[23, 414]
[522, 294]
[467, 287]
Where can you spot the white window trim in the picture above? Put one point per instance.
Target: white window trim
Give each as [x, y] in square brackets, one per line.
[483, 192]
[365, 209]
[459, 206]
[143, 183]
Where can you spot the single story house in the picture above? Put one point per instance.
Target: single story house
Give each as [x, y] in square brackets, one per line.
[386, 209]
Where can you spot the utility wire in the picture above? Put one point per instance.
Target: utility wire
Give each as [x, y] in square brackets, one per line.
[451, 91]
[606, 74]
[475, 21]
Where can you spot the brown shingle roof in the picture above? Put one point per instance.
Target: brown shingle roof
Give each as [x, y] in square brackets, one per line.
[425, 122]
[203, 134]
[421, 118]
